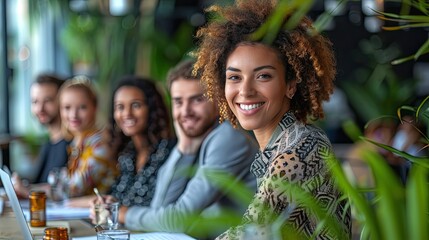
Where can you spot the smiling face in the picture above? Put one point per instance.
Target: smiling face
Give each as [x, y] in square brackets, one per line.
[192, 111]
[130, 110]
[256, 89]
[77, 110]
[44, 103]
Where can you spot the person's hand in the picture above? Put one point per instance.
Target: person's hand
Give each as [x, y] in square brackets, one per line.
[122, 212]
[186, 144]
[97, 200]
[22, 189]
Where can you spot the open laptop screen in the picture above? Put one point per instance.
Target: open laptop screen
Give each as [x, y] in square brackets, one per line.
[13, 199]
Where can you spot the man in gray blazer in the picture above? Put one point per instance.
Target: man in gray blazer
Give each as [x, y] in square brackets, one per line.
[203, 144]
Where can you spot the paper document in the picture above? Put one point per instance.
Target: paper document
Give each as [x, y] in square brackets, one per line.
[57, 211]
[40, 231]
[149, 236]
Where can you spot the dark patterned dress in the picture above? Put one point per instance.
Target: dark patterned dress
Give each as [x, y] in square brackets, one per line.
[295, 154]
[137, 187]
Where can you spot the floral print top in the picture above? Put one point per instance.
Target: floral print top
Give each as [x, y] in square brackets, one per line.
[90, 165]
[295, 154]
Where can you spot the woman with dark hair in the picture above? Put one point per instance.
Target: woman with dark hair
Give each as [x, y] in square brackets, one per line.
[273, 89]
[141, 140]
[142, 125]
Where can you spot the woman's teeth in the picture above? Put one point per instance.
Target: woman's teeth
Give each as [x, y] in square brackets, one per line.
[250, 106]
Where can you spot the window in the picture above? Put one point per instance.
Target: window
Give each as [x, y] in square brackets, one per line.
[4, 121]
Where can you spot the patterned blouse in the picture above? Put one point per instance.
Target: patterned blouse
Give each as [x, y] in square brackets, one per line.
[138, 187]
[90, 165]
[295, 154]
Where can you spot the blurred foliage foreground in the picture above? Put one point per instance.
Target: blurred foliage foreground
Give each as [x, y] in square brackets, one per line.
[389, 209]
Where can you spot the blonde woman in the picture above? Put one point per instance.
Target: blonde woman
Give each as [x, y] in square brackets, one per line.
[90, 162]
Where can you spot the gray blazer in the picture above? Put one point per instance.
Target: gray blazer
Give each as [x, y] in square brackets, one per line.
[225, 149]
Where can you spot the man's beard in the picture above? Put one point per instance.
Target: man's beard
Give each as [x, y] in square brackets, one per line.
[197, 132]
[50, 121]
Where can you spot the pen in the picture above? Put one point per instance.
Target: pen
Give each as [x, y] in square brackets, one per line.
[98, 195]
[109, 221]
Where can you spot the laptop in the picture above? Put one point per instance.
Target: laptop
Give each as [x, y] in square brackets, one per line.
[13, 200]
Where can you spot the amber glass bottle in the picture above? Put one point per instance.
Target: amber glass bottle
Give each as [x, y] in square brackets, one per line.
[37, 209]
[56, 233]
[63, 233]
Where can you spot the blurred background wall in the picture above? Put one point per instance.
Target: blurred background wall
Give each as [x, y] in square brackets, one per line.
[105, 39]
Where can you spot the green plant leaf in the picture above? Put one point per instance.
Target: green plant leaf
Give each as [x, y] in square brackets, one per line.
[352, 130]
[399, 20]
[415, 25]
[424, 161]
[391, 205]
[362, 100]
[422, 50]
[420, 107]
[418, 203]
[268, 31]
[406, 17]
[225, 181]
[322, 21]
[356, 198]
[302, 8]
[402, 60]
[405, 108]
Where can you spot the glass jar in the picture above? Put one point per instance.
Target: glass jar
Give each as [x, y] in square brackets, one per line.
[56, 233]
[37, 209]
[63, 233]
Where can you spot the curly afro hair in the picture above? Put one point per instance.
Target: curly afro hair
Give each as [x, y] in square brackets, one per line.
[307, 56]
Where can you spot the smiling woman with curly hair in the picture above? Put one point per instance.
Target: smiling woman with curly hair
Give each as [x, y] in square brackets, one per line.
[273, 89]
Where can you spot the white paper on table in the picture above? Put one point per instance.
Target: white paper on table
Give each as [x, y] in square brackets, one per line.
[149, 236]
[57, 211]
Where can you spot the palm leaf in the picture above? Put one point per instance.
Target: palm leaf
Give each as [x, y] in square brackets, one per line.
[352, 130]
[423, 161]
[419, 21]
[390, 207]
[301, 10]
[399, 20]
[419, 108]
[422, 50]
[268, 31]
[356, 198]
[322, 21]
[402, 60]
[415, 25]
[418, 203]
[404, 17]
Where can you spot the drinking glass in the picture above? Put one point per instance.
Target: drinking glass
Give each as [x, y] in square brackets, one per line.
[113, 234]
[106, 215]
[58, 179]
